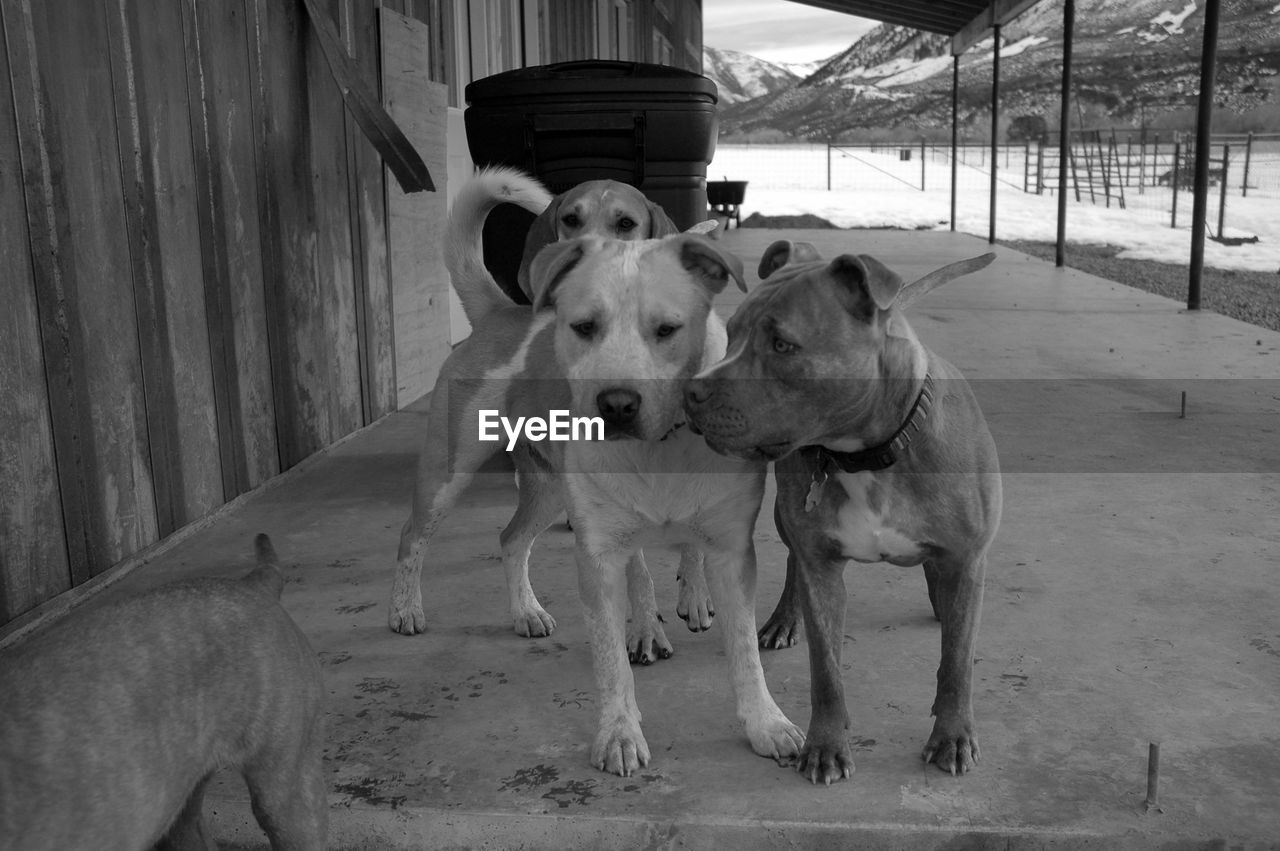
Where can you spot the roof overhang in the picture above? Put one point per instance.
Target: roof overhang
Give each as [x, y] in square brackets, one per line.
[966, 21]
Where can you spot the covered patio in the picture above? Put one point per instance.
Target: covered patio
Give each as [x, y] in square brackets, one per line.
[1130, 599]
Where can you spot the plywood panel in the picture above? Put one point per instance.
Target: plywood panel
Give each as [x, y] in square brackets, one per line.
[220, 102]
[307, 254]
[359, 24]
[82, 274]
[164, 245]
[33, 553]
[415, 223]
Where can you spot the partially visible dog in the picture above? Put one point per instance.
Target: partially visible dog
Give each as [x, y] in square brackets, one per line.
[616, 330]
[882, 454]
[604, 208]
[112, 723]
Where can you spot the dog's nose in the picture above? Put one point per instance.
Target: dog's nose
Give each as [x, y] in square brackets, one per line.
[618, 406]
[696, 392]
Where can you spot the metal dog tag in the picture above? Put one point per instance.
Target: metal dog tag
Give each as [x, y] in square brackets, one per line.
[815, 489]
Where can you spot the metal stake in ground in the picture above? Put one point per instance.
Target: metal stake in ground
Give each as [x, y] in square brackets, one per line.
[1153, 777]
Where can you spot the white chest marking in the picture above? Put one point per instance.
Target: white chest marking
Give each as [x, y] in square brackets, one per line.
[868, 535]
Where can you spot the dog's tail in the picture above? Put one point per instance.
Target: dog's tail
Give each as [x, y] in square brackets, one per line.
[463, 249]
[266, 577]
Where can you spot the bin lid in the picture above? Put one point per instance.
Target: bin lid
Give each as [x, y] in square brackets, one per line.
[604, 77]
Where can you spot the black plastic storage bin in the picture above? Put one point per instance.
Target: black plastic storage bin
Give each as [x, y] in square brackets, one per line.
[651, 126]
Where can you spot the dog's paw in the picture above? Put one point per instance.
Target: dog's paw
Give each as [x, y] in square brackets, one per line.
[533, 622]
[694, 605]
[620, 748]
[776, 737]
[825, 760]
[647, 641]
[407, 620]
[952, 747]
[781, 630]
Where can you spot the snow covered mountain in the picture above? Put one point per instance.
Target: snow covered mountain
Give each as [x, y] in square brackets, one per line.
[740, 77]
[1131, 57]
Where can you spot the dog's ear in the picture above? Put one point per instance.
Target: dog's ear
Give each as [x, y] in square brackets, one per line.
[871, 283]
[785, 251]
[551, 265]
[706, 260]
[660, 223]
[541, 234]
[774, 258]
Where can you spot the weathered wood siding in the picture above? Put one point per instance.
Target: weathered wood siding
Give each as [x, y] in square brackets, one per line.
[420, 282]
[195, 267]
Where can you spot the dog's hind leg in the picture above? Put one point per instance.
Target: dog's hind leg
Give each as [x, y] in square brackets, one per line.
[646, 639]
[694, 604]
[784, 626]
[289, 796]
[540, 503]
[189, 831]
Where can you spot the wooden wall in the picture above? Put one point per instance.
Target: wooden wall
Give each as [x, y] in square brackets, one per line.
[194, 264]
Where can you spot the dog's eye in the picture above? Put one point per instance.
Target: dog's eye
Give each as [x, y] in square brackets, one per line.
[782, 347]
[572, 221]
[665, 330]
[585, 329]
[625, 224]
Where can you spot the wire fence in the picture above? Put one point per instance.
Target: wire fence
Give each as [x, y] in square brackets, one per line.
[1147, 175]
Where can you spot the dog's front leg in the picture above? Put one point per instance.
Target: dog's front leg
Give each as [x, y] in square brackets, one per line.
[953, 745]
[619, 746]
[826, 756]
[731, 570]
[445, 467]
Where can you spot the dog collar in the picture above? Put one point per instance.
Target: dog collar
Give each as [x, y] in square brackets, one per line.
[885, 454]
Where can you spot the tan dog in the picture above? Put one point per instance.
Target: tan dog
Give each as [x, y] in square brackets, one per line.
[114, 721]
[616, 330]
[604, 204]
[604, 208]
[882, 455]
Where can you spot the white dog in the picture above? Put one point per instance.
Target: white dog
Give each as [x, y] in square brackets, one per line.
[616, 330]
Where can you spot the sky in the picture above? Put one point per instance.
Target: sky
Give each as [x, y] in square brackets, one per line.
[779, 30]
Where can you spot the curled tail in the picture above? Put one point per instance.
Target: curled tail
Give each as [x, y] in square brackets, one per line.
[463, 250]
[266, 577]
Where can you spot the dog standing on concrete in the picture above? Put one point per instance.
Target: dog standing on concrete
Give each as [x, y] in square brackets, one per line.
[604, 208]
[616, 330]
[882, 454]
[112, 723]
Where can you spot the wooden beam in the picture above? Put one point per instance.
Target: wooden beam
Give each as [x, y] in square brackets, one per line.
[1064, 120]
[1204, 126]
[995, 130]
[941, 18]
[1000, 12]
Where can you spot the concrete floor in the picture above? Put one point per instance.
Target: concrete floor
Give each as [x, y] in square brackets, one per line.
[1131, 598]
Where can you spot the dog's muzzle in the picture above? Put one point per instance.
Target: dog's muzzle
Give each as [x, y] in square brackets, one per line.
[619, 407]
[711, 416]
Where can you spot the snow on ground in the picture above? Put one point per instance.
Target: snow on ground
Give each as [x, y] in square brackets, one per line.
[881, 190]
